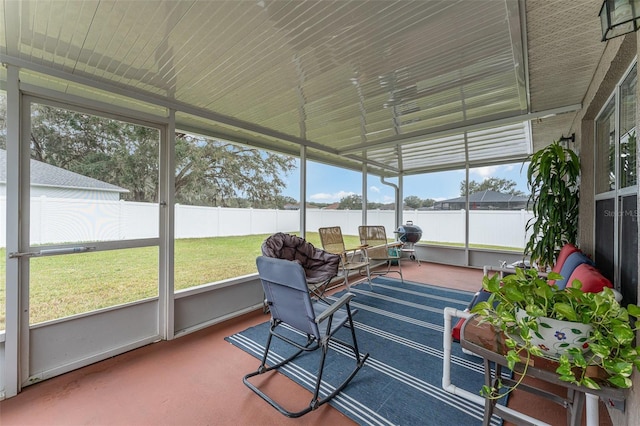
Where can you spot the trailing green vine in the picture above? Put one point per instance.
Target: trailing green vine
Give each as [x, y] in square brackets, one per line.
[610, 343]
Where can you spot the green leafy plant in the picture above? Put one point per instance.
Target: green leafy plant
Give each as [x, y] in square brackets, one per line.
[552, 177]
[610, 343]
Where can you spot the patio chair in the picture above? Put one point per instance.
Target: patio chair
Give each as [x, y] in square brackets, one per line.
[314, 323]
[332, 241]
[319, 266]
[377, 248]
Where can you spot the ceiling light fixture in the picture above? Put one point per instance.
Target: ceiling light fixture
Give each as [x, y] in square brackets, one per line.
[619, 17]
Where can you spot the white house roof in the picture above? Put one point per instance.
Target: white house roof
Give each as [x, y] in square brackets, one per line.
[405, 86]
[43, 174]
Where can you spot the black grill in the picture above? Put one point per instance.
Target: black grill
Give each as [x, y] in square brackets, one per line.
[409, 233]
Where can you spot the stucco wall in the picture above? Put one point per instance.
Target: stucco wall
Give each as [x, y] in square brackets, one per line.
[616, 59]
[618, 56]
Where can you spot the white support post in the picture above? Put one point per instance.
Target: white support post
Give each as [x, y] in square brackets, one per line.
[14, 242]
[593, 416]
[450, 313]
[303, 191]
[364, 192]
[167, 229]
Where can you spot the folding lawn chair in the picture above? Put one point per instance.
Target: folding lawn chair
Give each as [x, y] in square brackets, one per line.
[291, 306]
[377, 248]
[332, 241]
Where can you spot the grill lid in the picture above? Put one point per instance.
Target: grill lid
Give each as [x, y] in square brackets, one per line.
[409, 233]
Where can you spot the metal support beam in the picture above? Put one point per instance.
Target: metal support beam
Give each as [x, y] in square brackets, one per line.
[365, 175]
[167, 228]
[303, 191]
[11, 356]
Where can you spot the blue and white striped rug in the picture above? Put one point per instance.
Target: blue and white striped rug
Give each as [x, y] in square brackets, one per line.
[401, 326]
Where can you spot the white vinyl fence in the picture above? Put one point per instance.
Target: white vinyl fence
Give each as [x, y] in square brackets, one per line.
[64, 220]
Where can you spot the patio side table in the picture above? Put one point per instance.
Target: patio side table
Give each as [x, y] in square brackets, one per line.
[484, 341]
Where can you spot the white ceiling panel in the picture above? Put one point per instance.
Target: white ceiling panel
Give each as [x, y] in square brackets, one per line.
[400, 84]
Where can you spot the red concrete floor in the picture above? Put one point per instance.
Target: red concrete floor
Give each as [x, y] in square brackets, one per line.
[197, 380]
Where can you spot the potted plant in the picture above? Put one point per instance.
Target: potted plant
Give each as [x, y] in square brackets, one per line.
[520, 302]
[552, 177]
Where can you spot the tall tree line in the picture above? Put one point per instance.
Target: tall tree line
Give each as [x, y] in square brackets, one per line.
[208, 172]
[506, 186]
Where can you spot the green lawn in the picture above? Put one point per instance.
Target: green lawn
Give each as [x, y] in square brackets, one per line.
[67, 285]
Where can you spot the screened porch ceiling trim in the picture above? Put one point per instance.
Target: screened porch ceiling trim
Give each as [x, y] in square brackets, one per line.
[406, 86]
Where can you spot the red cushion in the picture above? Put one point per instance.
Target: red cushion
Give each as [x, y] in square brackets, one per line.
[567, 250]
[455, 332]
[592, 280]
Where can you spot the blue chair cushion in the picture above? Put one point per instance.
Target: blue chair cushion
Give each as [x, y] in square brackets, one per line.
[565, 252]
[572, 262]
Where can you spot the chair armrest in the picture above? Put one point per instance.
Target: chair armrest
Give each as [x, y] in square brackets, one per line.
[334, 307]
[352, 252]
[346, 252]
[369, 248]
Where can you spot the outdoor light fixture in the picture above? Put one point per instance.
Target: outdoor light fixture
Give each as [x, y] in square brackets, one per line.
[568, 139]
[619, 17]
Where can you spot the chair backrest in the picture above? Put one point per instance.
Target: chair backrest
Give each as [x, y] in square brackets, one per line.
[287, 294]
[319, 265]
[331, 239]
[374, 236]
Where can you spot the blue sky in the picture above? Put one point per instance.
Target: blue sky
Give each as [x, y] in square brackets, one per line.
[327, 184]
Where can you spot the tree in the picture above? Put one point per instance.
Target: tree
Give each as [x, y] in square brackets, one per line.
[211, 172]
[505, 186]
[354, 202]
[413, 202]
[351, 202]
[428, 202]
[208, 172]
[119, 153]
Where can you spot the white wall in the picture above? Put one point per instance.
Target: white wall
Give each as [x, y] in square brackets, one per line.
[499, 228]
[198, 221]
[63, 220]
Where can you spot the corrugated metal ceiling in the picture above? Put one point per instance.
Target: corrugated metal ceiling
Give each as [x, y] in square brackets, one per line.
[398, 84]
